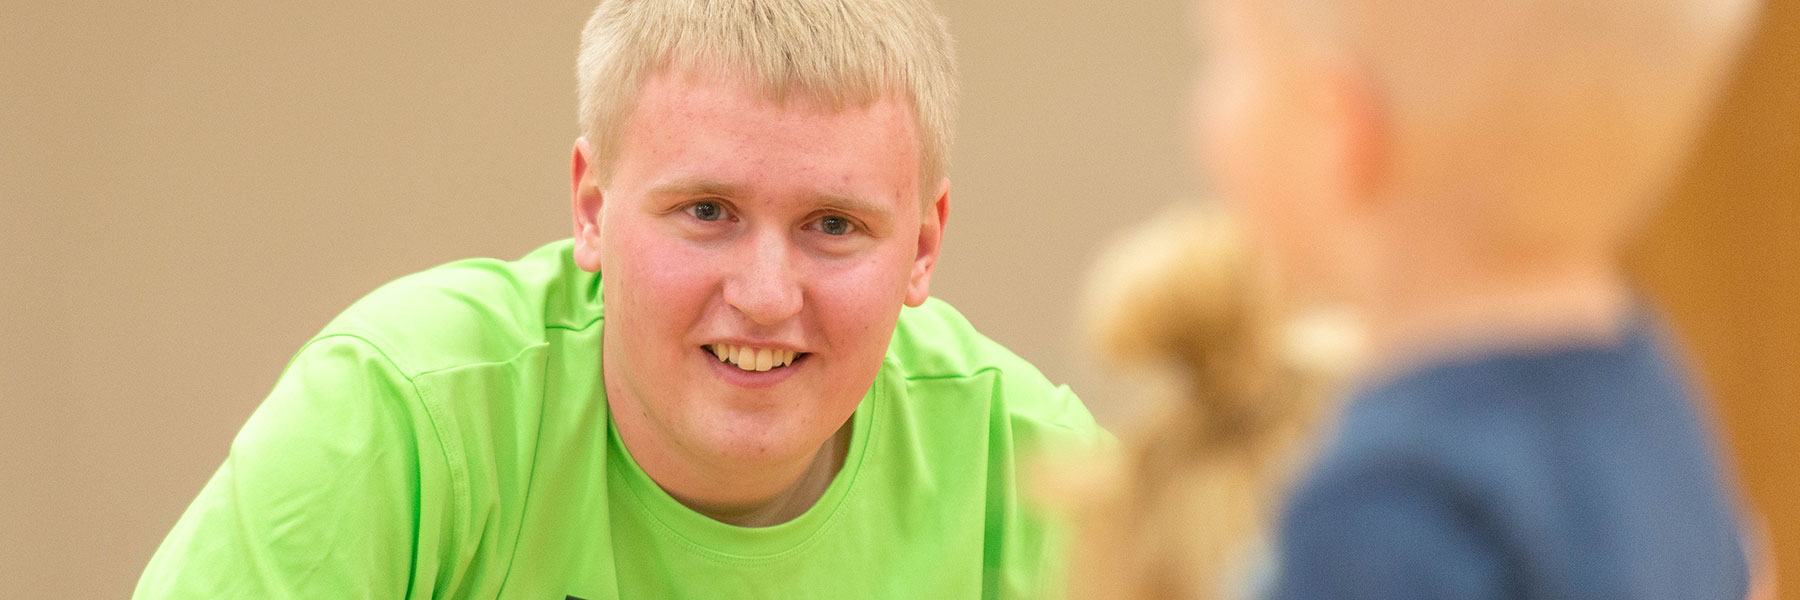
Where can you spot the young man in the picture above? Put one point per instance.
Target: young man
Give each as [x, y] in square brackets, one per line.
[711, 391]
[1463, 175]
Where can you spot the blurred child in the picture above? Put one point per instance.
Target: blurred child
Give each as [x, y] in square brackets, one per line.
[1462, 175]
[1183, 512]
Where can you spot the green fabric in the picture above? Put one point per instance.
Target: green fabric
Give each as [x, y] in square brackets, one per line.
[448, 437]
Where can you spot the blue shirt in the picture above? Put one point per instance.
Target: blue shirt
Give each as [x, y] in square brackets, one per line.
[1579, 472]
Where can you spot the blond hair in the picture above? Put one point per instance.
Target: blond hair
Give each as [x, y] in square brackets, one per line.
[1195, 488]
[840, 53]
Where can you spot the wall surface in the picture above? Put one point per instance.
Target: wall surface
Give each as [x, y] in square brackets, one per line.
[190, 190]
[1724, 261]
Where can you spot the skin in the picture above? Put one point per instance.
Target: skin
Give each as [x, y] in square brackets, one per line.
[730, 218]
[1301, 144]
[1267, 146]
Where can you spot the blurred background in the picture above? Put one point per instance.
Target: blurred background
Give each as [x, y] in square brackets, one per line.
[189, 190]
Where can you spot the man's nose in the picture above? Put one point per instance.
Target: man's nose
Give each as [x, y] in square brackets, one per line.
[765, 285]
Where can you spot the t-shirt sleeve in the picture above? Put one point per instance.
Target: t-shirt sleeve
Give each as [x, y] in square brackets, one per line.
[1386, 532]
[1047, 423]
[320, 494]
[1049, 418]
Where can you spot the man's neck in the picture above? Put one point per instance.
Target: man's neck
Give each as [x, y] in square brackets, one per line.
[1429, 318]
[790, 502]
[732, 492]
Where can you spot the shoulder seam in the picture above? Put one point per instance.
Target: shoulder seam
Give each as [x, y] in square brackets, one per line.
[590, 323]
[361, 338]
[976, 372]
[376, 342]
[480, 363]
[442, 424]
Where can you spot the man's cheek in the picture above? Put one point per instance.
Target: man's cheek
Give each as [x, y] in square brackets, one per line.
[668, 278]
[872, 285]
[862, 312]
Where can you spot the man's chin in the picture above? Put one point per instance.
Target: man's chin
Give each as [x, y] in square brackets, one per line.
[774, 447]
[777, 434]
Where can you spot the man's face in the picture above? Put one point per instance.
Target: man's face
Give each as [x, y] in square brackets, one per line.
[783, 237]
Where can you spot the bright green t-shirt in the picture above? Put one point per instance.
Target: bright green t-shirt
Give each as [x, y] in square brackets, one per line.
[448, 437]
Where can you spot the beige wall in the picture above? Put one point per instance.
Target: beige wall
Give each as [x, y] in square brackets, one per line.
[188, 192]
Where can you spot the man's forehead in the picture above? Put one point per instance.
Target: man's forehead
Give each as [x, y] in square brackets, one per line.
[707, 89]
[715, 132]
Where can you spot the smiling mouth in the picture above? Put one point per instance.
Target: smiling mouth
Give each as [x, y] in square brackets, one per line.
[751, 358]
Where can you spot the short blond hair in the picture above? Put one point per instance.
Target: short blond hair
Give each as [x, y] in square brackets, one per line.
[839, 53]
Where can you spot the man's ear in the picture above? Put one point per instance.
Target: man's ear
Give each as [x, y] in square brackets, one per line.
[931, 240]
[585, 200]
[1360, 135]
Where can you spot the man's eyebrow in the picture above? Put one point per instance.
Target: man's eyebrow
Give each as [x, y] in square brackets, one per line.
[851, 204]
[695, 187]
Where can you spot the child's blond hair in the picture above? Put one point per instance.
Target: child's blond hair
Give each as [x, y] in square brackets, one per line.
[1196, 486]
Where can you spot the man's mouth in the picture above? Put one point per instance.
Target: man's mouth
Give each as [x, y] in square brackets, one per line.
[751, 358]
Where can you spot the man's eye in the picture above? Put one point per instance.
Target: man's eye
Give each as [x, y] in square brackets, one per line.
[706, 211]
[835, 226]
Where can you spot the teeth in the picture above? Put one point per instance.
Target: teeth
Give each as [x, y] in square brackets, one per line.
[753, 359]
